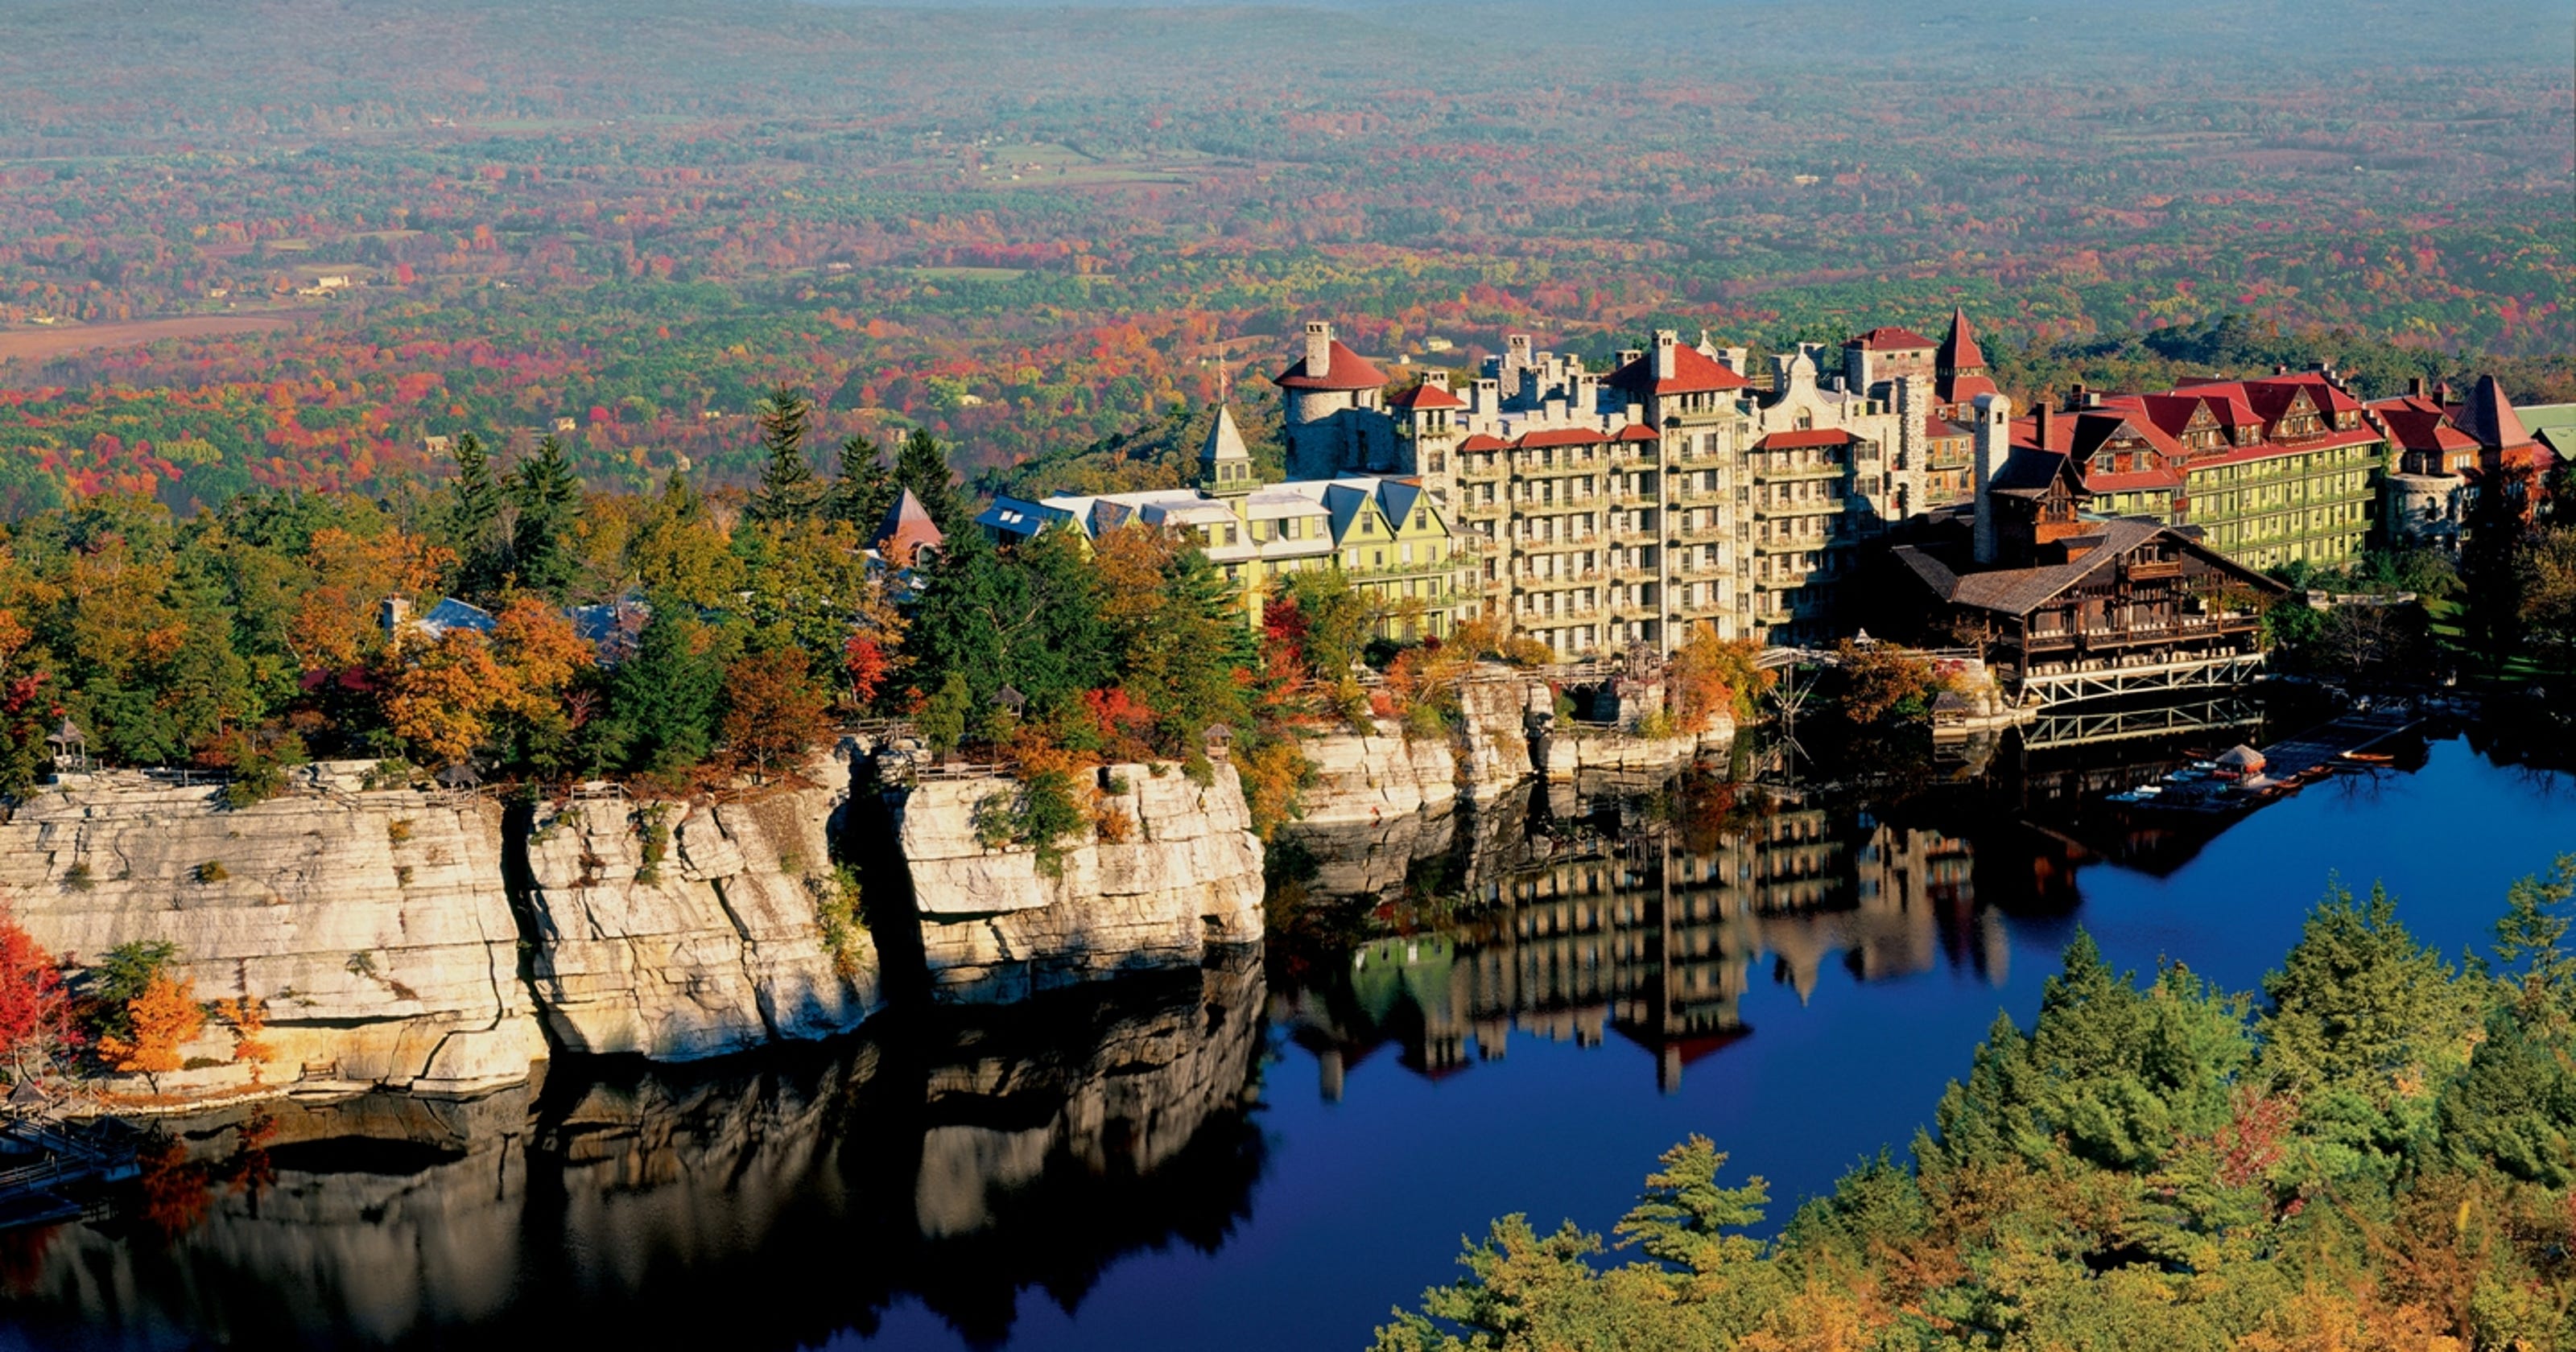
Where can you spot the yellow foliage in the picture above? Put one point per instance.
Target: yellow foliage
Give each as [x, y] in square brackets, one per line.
[163, 1017]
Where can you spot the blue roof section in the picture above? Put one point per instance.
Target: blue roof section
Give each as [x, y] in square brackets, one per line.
[451, 613]
[1020, 517]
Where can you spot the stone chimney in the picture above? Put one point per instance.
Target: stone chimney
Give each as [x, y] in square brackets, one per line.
[2415, 386]
[1630, 354]
[392, 613]
[1436, 377]
[2047, 417]
[1319, 348]
[1665, 341]
[2076, 395]
[1994, 442]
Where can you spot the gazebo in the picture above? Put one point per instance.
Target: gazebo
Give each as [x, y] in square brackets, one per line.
[71, 748]
[2241, 759]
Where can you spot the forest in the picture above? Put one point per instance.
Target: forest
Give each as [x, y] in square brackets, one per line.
[288, 244]
[2372, 1151]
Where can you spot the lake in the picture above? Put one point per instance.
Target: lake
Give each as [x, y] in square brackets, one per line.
[1271, 1152]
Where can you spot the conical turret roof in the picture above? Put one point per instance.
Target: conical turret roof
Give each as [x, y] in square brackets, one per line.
[1224, 439]
[2489, 417]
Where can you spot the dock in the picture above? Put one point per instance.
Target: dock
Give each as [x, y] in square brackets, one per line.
[2288, 765]
[2287, 761]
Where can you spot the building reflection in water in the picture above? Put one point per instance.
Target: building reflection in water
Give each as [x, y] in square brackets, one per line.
[1646, 915]
[963, 1160]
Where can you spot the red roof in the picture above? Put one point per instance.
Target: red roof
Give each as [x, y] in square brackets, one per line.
[1959, 351]
[1425, 395]
[1344, 370]
[2490, 418]
[1694, 372]
[1890, 338]
[1938, 429]
[1814, 436]
[1636, 432]
[2414, 425]
[1484, 441]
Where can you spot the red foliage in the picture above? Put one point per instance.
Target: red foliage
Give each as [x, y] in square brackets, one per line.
[865, 660]
[35, 1009]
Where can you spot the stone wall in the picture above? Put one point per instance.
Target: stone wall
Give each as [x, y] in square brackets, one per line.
[995, 926]
[374, 923]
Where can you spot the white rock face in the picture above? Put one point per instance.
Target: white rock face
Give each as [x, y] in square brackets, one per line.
[721, 949]
[1618, 753]
[373, 923]
[994, 927]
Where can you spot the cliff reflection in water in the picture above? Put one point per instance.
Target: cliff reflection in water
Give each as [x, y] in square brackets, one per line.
[962, 1160]
[1576, 916]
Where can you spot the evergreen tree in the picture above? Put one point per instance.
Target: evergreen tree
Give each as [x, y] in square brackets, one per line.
[787, 490]
[921, 464]
[863, 491]
[2492, 576]
[473, 518]
[548, 498]
[663, 701]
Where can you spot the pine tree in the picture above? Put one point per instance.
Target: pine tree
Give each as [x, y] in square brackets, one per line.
[863, 492]
[662, 701]
[787, 490]
[473, 518]
[548, 497]
[921, 464]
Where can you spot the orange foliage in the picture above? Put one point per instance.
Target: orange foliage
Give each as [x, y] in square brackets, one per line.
[165, 1016]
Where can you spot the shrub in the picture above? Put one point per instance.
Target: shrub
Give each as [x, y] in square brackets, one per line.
[1111, 823]
[402, 875]
[1198, 769]
[361, 964]
[78, 878]
[840, 913]
[1656, 724]
[653, 824]
[211, 871]
[398, 831]
[1040, 814]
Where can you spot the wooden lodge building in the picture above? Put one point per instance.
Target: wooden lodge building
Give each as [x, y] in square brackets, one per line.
[2067, 605]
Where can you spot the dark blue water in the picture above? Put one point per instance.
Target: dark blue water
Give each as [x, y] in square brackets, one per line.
[1364, 1200]
[1273, 1153]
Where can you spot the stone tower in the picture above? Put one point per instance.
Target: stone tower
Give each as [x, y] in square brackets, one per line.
[1335, 419]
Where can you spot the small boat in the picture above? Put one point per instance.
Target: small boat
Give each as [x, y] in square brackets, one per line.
[2144, 793]
[2370, 758]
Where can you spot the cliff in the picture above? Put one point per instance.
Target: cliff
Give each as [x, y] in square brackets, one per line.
[718, 946]
[1378, 776]
[996, 926]
[374, 923]
[385, 927]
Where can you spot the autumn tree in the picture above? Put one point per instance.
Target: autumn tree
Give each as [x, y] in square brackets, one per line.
[35, 1006]
[678, 556]
[158, 1022]
[1713, 677]
[773, 710]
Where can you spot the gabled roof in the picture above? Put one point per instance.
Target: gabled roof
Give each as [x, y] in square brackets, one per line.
[1425, 395]
[1483, 441]
[2018, 591]
[1343, 370]
[2414, 427]
[1020, 517]
[451, 613]
[1891, 338]
[906, 530]
[1694, 372]
[2032, 471]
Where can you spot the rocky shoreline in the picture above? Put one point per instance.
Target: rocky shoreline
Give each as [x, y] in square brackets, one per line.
[447, 943]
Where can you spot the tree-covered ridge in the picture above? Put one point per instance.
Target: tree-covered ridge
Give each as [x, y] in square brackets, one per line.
[2377, 1151]
[981, 223]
